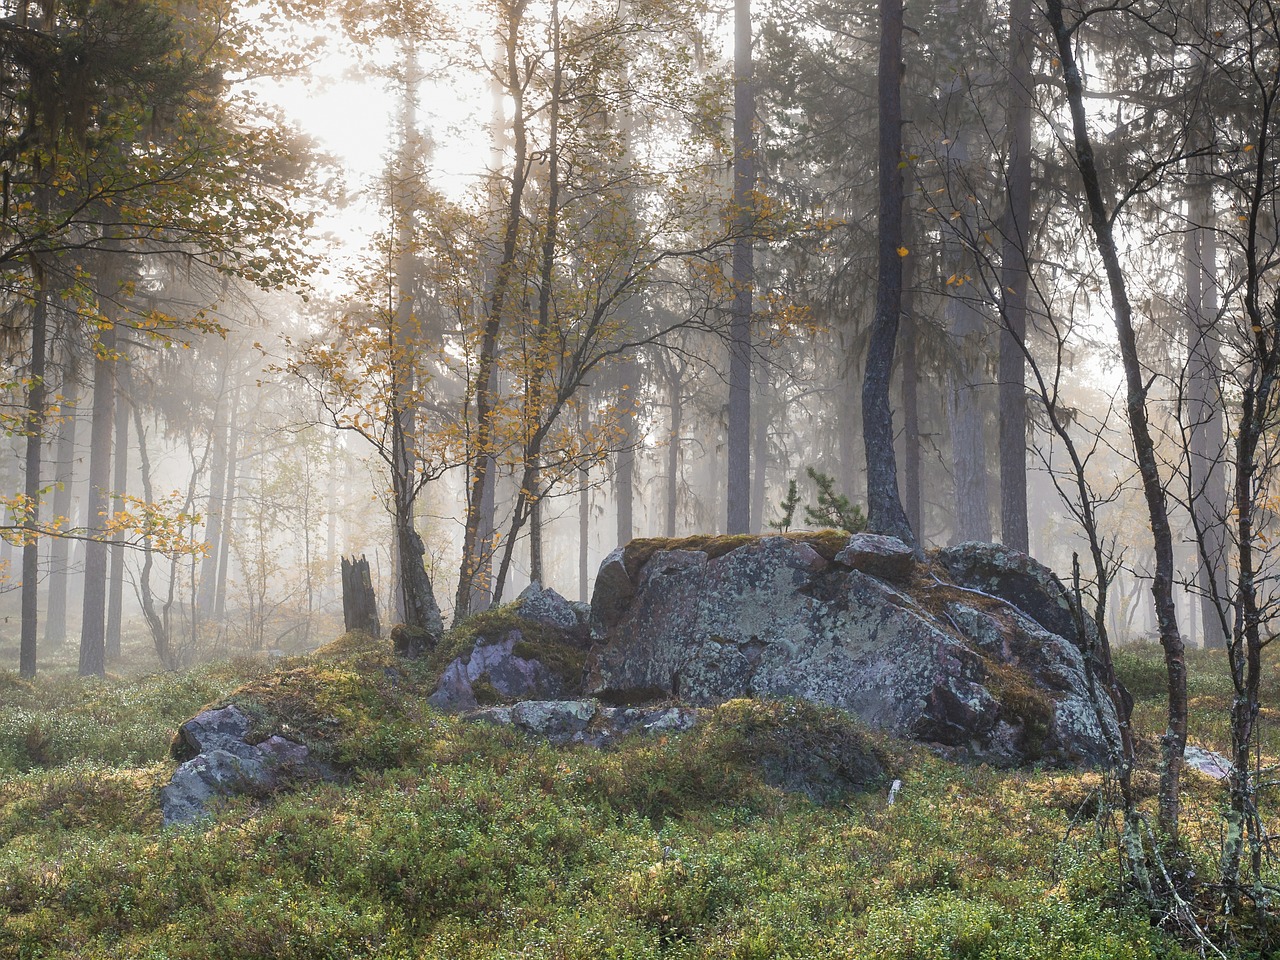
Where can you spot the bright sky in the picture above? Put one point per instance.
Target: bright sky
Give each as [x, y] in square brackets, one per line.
[351, 113]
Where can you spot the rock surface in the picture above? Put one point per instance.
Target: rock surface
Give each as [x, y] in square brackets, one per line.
[994, 675]
[218, 762]
[531, 653]
[586, 721]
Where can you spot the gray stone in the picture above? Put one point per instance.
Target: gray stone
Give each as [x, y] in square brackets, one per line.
[221, 729]
[218, 762]
[772, 619]
[885, 557]
[543, 605]
[587, 721]
[1015, 578]
[1209, 762]
[493, 661]
[613, 590]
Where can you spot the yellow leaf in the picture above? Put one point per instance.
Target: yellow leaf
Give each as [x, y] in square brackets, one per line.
[903, 251]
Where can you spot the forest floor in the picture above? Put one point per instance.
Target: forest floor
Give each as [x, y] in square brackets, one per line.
[442, 838]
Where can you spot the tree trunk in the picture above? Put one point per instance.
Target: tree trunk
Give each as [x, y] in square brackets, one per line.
[760, 476]
[120, 482]
[93, 634]
[228, 509]
[484, 402]
[359, 601]
[214, 509]
[968, 421]
[34, 427]
[544, 344]
[910, 387]
[1014, 282]
[625, 480]
[884, 507]
[584, 531]
[738, 490]
[675, 402]
[158, 625]
[1174, 741]
[1204, 406]
[55, 614]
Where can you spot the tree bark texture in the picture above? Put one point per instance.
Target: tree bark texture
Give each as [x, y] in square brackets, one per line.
[1174, 741]
[909, 385]
[884, 507]
[359, 601]
[1014, 283]
[34, 427]
[119, 484]
[93, 627]
[55, 613]
[738, 490]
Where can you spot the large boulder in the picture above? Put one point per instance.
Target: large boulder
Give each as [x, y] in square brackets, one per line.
[219, 761]
[865, 629]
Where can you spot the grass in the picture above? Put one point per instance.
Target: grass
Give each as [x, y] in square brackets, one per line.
[442, 838]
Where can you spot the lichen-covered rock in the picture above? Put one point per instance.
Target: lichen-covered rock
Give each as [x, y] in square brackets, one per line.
[545, 606]
[772, 618]
[586, 721]
[1014, 577]
[613, 590]
[219, 762]
[495, 670]
[880, 556]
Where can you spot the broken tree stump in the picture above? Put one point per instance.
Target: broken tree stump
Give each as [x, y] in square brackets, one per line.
[359, 604]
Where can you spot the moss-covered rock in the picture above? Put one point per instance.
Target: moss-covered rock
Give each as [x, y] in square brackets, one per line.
[868, 630]
[531, 649]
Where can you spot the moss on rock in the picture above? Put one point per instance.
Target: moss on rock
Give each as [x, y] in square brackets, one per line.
[826, 543]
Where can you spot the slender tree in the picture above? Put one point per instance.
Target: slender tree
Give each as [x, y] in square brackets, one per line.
[1102, 223]
[1014, 279]
[884, 505]
[738, 493]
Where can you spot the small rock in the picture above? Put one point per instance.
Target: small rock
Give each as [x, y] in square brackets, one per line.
[543, 605]
[219, 763]
[1209, 762]
[222, 729]
[495, 661]
[554, 719]
[885, 557]
[586, 721]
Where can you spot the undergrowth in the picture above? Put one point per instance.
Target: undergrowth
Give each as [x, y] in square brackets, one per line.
[764, 832]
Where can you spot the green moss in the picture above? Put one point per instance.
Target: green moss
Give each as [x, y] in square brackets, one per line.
[354, 643]
[566, 661]
[485, 692]
[1023, 704]
[826, 543]
[477, 844]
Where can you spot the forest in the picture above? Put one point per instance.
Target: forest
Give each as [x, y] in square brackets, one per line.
[479, 292]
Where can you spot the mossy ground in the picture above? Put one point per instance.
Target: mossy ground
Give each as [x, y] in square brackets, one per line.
[442, 838]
